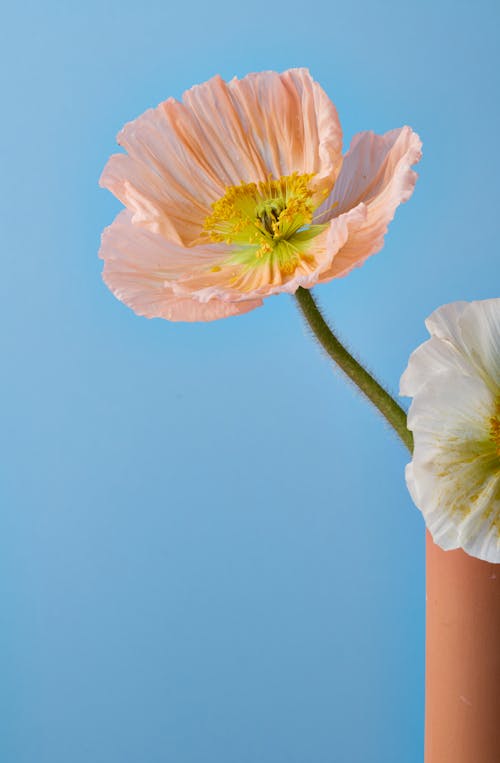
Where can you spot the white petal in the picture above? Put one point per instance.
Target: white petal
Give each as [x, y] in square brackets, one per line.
[444, 322]
[454, 409]
[432, 357]
[480, 532]
[480, 329]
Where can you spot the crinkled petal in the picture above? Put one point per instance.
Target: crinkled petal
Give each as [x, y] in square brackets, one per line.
[433, 357]
[480, 535]
[480, 330]
[443, 530]
[290, 122]
[444, 323]
[451, 412]
[141, 269]
[172, 208]
[182, 156]
[454, 474]
[463, 333]
[377, 171]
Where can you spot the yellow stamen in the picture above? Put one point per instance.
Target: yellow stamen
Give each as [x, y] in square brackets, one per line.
[256, 218]
[495, 426]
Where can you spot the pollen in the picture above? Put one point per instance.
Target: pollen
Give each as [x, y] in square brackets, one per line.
[257, 219]
[495, 426]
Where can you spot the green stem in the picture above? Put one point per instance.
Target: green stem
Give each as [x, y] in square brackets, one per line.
[369, 386]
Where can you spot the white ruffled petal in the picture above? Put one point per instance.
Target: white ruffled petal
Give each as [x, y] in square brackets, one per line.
[480, 532]
[451, 409]
[480, 329]
[443, 323]
[433, 357]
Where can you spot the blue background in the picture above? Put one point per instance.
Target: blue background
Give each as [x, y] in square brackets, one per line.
[208, 553]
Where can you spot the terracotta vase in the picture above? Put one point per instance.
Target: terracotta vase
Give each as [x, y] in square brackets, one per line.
[462, 709]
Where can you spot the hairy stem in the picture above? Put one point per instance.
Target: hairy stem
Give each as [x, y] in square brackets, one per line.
[369, 386]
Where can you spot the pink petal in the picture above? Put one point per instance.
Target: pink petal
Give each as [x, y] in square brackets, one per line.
[290, 123]
[377, 172]
[140, 268]
[182, 156]
[158, 203]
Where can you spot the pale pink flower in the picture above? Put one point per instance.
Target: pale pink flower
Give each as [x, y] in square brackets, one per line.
[240, 191]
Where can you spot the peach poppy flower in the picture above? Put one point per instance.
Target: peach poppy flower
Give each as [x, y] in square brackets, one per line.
[240, 191]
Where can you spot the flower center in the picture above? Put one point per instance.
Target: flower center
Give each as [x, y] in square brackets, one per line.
[271, 219]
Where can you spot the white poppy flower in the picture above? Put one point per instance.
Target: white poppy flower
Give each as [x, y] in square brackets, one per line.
[454, 379]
